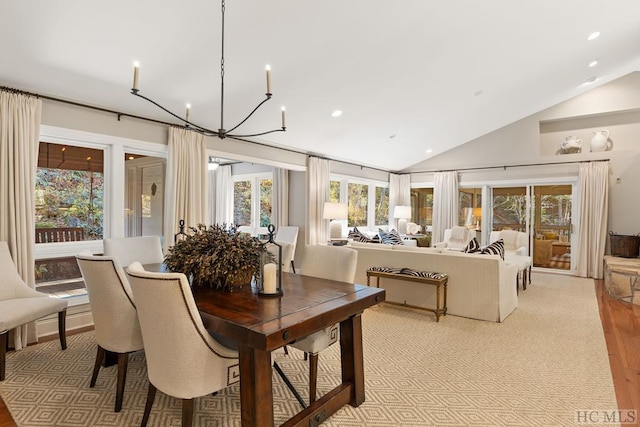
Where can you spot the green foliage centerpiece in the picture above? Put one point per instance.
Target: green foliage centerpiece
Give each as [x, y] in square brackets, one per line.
[218, 256]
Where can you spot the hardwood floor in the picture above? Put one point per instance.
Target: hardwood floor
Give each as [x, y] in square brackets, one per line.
[621, 325]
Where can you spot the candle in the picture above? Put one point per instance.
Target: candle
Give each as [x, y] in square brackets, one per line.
[136, 68]
[269, 280]
[187, 115]
[268, 79]
[283, 126]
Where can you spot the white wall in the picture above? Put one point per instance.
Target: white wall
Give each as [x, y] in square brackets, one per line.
[534, 140]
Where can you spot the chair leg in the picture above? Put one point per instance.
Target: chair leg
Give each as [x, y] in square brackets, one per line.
[62, 328]
[529, 274]
[293, 267]
[3, 352]
[313, 377]
[524, 279]
[123, 361]
[187, 412]
[151, 395]
[96, 366]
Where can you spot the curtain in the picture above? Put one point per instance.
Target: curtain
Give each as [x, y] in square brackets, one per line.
[445, 203]
[221, 200]
[593, 180]
[399, 195]
[317, 192]
[186, 182]
[19, 137]
[280, 205]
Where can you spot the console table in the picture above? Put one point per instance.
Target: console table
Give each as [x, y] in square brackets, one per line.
[626, 267]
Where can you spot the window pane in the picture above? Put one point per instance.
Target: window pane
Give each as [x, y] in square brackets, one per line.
[422, 205]
[334, 191]
[509, 208]
[266, 192]
[144, 195]
[382, 206]
[242, 203]
[357, 199]
[465, 205]
[69, 193]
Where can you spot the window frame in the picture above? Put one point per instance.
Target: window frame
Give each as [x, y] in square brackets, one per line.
[345, 180]
[254, 229]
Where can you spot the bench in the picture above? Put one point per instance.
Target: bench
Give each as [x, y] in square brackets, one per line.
[436, 279]
[54, 235]
[625, 267]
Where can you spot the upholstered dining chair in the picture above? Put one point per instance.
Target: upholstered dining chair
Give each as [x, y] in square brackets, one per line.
[183, 360]
[287, 254]
[144, 249]
[332, 263]
[114, 315]
[20, 304]
[288, 234]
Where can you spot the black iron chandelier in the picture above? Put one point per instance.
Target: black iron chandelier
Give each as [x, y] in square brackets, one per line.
[222, 132]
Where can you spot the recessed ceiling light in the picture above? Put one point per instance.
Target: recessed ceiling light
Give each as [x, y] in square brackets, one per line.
[590, 80]
[593, 35]
[429, 151]
[392, 136]
[336, 113]
[478, 93]
[593, 63]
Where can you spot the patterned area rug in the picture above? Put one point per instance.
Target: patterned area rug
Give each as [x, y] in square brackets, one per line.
[547, 360]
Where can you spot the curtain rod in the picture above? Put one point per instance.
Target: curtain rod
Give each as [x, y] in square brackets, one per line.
[512, 166]
[133, 116]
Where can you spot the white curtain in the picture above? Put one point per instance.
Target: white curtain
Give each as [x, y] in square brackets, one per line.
[399, 195]
[317, 192]
[19, 137]
[593, 181]
[445, 203]
[280, 205]
[186, 196]
[221, 204]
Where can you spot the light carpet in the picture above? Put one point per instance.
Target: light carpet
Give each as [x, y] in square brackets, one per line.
[547, 360]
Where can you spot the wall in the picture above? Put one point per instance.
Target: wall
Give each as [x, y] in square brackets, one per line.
[535, 139]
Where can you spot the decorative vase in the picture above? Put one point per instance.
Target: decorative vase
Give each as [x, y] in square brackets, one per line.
[600, 141]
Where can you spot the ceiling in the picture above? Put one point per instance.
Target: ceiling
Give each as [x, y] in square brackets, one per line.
[409, 76]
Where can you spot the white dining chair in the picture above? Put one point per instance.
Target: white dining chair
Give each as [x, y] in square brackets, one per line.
[183, 359]
[115, 318]
[144, 249]
[288, 234]
[20, 304]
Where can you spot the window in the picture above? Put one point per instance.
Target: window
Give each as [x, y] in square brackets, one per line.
[358, 203]
[367, 201]
[144, 195]
[252, 202]
[422, 206]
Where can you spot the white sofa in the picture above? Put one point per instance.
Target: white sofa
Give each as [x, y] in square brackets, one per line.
[480, 286]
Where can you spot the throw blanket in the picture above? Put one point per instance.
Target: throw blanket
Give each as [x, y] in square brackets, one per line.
[458, 234]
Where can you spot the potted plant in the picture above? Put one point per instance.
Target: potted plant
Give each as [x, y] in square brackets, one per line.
[218, 256]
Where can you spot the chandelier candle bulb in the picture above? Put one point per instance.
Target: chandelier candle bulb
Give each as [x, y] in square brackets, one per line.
[269, 278]
[268, 80]
[136, 68]
[283, 126]
[187, 114]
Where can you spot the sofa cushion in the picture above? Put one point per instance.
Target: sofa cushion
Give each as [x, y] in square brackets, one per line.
[358, 236]
[390, 237]
[370, 245]
[496, 248]
[472, 247]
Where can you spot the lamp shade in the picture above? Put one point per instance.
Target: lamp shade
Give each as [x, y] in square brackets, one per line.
[335, 211]
[477, 212]
[402, 212]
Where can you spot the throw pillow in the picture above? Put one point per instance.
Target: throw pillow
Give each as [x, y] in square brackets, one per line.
[389, 237]
[496, 248]
[472, 247]
[358, 236]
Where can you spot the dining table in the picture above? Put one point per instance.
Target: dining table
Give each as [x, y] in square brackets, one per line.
[261, 324]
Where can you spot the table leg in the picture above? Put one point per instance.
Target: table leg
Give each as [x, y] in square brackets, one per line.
[256, 392]
[352, 357]
[437, 303]
[445, 298]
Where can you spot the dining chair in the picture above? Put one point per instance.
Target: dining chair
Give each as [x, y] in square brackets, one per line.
[20, 304]
[287, 254]
[145, 249]
[288, 234]
[331, 263]
[114, 315]
[183, 359]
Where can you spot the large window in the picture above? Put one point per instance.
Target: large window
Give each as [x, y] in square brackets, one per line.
[367, 201]
[144, 195]
[252, 202]
[422, 206]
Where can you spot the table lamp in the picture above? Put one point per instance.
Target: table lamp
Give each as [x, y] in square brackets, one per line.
[336, 212]
[477, 212]
[402, 214]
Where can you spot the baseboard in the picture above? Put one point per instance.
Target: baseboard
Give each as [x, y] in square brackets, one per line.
[78, 317]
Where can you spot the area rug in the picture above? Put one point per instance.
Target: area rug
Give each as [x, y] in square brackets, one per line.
[546, 361]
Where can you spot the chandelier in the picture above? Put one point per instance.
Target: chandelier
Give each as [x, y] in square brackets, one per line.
[221, 132]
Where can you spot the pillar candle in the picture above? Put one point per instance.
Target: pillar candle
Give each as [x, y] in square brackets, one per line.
[269, 280]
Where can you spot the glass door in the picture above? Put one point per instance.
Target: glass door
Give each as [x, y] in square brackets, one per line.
[551, 226]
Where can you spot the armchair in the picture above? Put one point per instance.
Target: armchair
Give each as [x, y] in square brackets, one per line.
[456, 238]
[515, 242]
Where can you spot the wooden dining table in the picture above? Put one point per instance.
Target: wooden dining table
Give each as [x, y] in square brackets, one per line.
[261, 324]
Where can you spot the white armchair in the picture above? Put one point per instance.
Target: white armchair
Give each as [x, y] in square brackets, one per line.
[456, 238]
[515, 242]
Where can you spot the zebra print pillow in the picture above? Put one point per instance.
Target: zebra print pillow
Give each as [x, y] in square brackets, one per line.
[496, 248]
[389, 237]
[472, 247]
[358, 236]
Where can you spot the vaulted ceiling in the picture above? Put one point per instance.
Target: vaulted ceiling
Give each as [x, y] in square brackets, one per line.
[409, 76]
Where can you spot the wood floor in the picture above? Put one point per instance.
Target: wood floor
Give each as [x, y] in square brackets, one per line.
[621, 325]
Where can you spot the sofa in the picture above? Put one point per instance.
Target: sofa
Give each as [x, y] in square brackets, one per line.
[480, 287]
